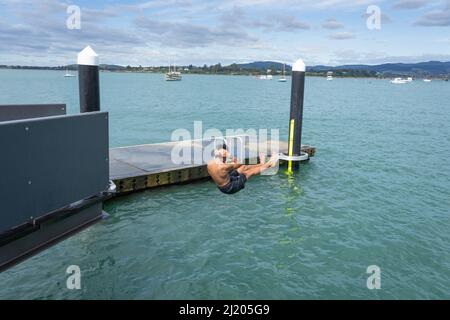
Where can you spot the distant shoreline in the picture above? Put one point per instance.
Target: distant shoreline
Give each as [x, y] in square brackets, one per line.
[308, 74]
[420, 70]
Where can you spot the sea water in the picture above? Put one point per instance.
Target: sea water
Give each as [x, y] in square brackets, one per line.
[376, 194]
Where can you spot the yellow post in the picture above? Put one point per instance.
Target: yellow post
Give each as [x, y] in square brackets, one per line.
[291, 144]
[296, 114]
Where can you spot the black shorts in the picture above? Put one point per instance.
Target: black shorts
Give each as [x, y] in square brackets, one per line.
[236, 184]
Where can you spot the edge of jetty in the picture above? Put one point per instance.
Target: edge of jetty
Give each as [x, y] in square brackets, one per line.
[137, 168]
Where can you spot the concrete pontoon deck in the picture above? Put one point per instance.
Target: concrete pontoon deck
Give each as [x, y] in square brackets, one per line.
[141, 167]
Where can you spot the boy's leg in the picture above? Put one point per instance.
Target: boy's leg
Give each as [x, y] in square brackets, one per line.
[262, 162]
[251, 170]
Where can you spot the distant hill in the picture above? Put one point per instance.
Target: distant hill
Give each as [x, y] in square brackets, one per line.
[264, 65]
[422, 69]
[111, 67]
[434, 68]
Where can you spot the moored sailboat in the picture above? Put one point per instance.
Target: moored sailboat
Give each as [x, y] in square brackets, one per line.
[283, 77]
[173, 75]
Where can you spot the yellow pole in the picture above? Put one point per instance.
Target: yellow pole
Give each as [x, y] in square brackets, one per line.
[296, 113]
[291, 144]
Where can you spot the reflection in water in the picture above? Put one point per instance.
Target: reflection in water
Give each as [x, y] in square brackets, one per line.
[291, 192]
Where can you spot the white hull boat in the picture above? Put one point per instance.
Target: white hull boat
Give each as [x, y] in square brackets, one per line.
[399, 81]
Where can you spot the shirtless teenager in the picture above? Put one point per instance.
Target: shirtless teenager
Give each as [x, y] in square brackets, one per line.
[231, 177]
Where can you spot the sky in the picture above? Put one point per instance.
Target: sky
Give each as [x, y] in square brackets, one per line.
[150, 33]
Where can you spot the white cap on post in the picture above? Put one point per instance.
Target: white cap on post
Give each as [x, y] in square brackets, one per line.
[299, 65]
[88, 57]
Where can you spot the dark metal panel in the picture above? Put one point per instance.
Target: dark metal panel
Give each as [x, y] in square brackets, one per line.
[29, 111]
[48, 163]
[48, 234]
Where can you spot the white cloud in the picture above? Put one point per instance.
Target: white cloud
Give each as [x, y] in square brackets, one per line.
[203, 31]
[332, 24]
[436, 18]
[349, 56]
[410, 4]
[342, 36]
[306, 4]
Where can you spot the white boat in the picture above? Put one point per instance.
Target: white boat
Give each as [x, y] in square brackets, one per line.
[409, 79]
[283, 77]
[330, 76]
[268, 76]
[68, 74]
[427, 80]
[399, 81]
[173, 75]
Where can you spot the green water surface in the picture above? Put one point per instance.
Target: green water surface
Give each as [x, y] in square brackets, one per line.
[377, 193]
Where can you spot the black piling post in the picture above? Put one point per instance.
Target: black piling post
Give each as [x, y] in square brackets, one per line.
[296, 116]
[89, 82]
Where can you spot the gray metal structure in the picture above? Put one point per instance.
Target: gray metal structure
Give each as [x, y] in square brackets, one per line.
[55, 173]
[28, 111]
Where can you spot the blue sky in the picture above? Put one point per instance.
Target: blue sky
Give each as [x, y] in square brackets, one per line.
[331, 32]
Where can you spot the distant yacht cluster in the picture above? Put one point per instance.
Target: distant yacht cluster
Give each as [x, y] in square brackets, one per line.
[282, 78]
[172, 74]
[407, 80]
[268, 75]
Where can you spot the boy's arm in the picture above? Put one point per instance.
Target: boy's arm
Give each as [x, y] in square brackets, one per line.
[234, 165]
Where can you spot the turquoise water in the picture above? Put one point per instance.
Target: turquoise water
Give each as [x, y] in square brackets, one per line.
[377, 193]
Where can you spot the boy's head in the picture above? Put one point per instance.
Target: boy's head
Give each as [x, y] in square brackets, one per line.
[221, 153]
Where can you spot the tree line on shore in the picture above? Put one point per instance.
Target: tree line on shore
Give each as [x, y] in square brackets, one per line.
[233, 69]
[251, 69]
